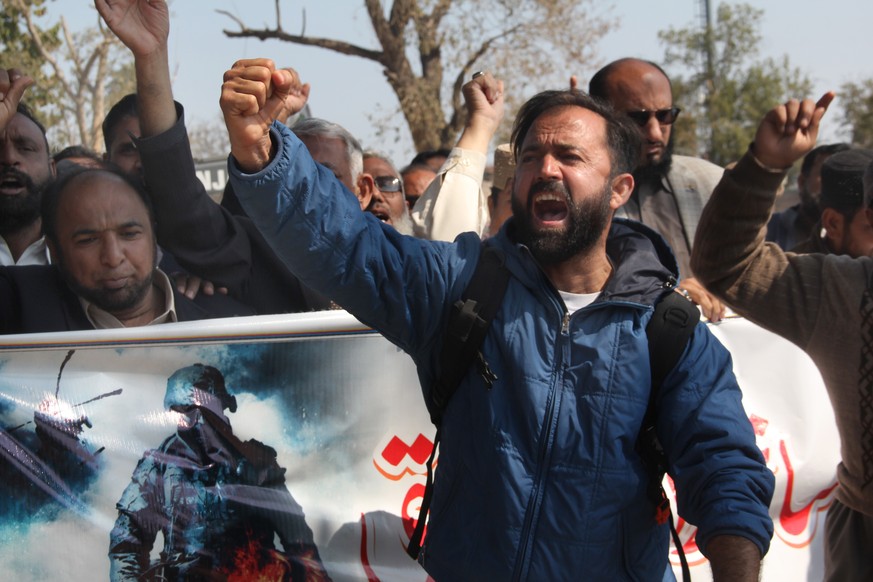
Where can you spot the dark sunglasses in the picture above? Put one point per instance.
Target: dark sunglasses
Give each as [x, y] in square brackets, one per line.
[664, 116]
[388, 183]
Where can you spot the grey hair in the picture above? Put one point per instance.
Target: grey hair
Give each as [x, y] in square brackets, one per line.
[380, 156]
[315, 127]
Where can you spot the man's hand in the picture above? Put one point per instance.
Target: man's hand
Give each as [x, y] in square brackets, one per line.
[191, 285]
[12, 86]
[292, 106]
[142, 26]
[483, 98]
[253, 94]
[789, 131]
[713, 309]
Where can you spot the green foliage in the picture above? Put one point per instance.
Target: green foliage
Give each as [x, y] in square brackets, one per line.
[76, 74]
[857, 119]
[19, 50]
[724, 99]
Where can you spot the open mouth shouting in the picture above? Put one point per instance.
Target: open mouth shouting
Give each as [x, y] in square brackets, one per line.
[13, 182]
[548, 205]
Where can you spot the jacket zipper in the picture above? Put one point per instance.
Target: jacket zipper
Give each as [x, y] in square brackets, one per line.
[522, 564]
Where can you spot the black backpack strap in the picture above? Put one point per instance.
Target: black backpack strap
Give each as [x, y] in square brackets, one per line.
[668, 333]
[468, 324]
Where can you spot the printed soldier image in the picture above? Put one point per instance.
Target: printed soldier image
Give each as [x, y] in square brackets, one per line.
[219, 502]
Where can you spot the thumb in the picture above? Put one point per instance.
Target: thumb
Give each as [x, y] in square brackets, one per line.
[282, 83]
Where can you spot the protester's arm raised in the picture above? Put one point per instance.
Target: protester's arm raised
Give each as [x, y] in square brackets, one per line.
[455, 202]
[483, 99]
[730, 257]
[144, 27]
[253, 94]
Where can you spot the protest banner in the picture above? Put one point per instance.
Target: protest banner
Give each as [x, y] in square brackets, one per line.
[316, 436]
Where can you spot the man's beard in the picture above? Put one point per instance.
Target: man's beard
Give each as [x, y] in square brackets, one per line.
[403, 223]
[654, 173]
[112, 301]
[18, 212]
[586, 222]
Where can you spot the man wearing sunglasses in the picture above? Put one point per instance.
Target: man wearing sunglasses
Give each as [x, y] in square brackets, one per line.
[670, 191]
[389, 201]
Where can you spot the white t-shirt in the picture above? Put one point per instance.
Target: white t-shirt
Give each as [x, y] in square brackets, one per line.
[576, 301]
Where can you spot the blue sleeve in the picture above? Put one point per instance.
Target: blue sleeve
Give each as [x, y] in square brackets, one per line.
[396, 284]
[723, 485]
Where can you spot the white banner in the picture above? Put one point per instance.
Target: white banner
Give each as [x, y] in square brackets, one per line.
[99, 483]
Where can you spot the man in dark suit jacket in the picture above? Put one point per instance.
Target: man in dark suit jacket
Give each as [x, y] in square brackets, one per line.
[205, 238]
[99, 228]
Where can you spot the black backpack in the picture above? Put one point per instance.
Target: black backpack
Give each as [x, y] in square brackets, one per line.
[668, 333]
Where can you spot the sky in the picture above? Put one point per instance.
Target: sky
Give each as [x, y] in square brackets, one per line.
[830, 41]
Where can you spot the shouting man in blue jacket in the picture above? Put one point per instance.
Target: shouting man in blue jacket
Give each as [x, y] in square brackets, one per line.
[538, 477]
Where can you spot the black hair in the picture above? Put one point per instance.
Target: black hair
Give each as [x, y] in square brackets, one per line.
[822, 150]
[27, 112]
[126, 107]
[51, 198]
[416, 166]
[423, 157]
[622, 138]
[77, 151]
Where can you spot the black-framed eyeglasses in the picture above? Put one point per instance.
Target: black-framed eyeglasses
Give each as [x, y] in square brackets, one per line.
[389, 184]
[664, 116]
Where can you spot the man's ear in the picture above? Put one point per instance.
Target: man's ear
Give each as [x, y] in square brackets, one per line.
[366, 186]
[622, 188]
[801, 181]
[833, 222]
[53, 168]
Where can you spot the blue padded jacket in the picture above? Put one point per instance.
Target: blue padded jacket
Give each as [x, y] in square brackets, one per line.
[537, 476]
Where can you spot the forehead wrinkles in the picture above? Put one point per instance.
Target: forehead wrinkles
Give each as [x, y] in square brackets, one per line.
[20, 128]
[565, 129]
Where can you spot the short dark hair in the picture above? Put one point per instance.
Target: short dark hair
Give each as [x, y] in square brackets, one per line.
[126, 107]
[597, 86]
[417, 167]
[77, 151]
[27, 112]
[424, 156]
[622, 138]
[51, 198]
[822, 150]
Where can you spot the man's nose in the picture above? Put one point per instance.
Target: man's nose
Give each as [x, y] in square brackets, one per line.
[550, 168]
[652, 130]
[112, 253]
[8, 154]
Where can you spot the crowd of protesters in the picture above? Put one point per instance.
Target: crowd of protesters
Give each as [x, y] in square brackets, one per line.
[596, 219]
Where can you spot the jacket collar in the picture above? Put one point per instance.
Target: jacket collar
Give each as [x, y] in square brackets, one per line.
[644, 265]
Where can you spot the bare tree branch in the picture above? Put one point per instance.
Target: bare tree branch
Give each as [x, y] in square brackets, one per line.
[448, 38]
